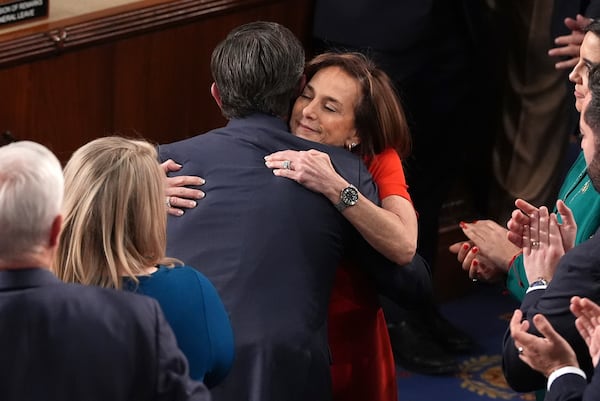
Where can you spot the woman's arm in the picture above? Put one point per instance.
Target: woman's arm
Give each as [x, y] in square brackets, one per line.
[391, 229]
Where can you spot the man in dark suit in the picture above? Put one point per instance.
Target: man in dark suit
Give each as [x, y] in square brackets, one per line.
[69, 342]
[553, 283]
[269, 245]
[552, 356]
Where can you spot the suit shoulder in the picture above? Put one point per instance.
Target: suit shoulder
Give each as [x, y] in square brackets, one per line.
[105, 299]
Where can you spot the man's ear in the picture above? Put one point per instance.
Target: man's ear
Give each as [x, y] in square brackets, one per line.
[214, 91]
[55, 231]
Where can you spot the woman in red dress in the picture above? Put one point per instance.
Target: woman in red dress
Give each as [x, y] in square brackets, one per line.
[349, 102]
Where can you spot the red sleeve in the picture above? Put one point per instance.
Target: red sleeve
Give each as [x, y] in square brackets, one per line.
[388, 174]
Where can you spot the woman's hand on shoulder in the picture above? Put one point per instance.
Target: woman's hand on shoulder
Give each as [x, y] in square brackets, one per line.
[178, 195]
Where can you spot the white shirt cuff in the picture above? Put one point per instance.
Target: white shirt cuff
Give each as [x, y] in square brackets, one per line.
[563, 371]
[537, 287]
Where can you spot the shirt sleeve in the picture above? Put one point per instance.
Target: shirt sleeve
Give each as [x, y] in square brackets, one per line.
[564, 371]
[387, 171]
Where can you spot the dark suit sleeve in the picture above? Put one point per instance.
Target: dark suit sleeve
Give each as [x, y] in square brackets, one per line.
[517, 373]
[568, 387]
[407, 285]
[173, 380]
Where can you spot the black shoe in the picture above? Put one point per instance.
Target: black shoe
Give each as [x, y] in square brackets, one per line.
[417, 352]
[450, 337]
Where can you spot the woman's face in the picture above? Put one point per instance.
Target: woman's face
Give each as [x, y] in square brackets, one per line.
[324, 112]
[589, 55]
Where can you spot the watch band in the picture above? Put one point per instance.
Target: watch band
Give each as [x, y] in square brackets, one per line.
[539, 284]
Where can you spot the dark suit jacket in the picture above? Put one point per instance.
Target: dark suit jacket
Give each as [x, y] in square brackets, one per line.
[572, 387]
[578, 273]
[68, 342]
[270, 247]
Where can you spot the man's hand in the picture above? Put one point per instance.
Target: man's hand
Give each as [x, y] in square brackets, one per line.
[177, 193]
[544, 354]
[588, 324]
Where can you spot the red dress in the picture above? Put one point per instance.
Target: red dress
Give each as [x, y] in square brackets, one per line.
[363, 365]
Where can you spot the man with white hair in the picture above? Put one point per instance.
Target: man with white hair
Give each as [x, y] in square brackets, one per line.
[64, 341]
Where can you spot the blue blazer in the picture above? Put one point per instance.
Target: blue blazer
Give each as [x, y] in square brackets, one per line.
[68, 342]
[270, 247]
[577, 273]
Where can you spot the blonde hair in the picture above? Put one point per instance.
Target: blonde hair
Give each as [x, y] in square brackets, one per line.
[114, 213]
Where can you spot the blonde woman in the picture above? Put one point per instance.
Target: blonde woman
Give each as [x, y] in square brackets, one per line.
[114, 235]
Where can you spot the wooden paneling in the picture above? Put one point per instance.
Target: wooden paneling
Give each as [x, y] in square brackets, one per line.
[152, 80]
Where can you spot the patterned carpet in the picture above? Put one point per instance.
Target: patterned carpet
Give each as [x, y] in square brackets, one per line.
[483, 314]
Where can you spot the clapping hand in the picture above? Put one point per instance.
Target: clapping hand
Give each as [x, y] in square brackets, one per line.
[544, 354]
[588, 324]
[521, 217]
[542, 245]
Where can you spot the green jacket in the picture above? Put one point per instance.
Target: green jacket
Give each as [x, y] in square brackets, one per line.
[580, 196]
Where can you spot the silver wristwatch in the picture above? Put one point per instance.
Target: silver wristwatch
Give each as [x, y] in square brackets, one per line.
[539, 283]
[348, 197]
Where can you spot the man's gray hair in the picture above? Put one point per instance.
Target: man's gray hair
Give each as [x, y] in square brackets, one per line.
[31, 195]
[257, 69]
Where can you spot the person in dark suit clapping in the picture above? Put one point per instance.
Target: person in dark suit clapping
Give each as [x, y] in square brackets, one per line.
[555, 275]
[552, 355]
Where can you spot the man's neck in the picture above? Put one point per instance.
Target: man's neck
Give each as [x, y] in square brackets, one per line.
[41, 260]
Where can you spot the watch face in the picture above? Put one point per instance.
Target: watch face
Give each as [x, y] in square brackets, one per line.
[350, 196]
